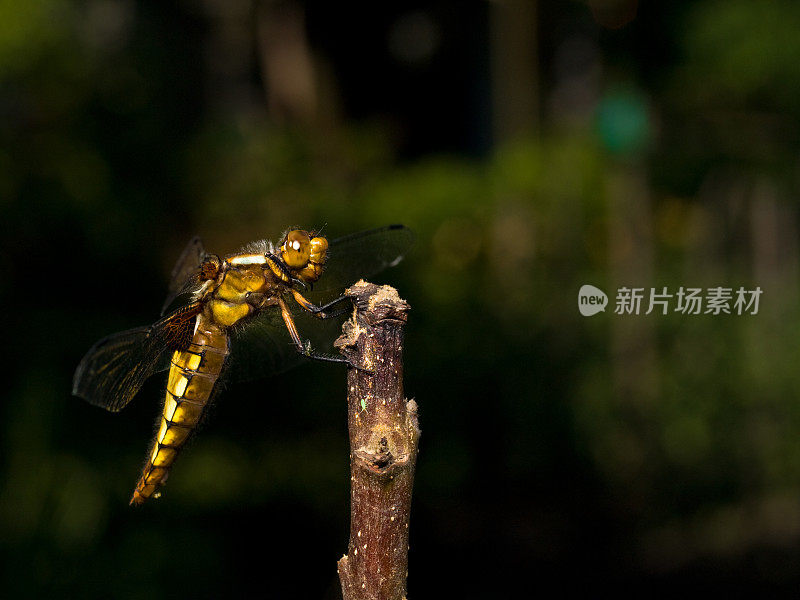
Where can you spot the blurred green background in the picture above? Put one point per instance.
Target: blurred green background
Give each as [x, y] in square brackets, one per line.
[534, 146]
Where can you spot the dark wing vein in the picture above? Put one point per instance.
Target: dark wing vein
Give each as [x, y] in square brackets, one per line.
[116, 367]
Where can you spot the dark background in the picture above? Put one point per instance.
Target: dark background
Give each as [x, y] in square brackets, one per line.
[533, 146]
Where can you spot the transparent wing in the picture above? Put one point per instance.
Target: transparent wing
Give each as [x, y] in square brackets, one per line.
[184, 274]
[187, 264]
[116, 367]
[364, 254]
[262, 347]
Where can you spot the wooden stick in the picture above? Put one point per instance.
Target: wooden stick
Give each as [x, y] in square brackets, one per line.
[384, 435]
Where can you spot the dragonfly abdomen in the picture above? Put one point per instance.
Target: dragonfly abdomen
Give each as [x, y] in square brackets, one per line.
[192, 377]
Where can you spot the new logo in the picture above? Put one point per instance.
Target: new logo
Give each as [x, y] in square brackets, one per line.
[591, 300]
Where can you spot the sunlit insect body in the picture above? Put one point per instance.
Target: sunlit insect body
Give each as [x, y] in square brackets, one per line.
[233, 298]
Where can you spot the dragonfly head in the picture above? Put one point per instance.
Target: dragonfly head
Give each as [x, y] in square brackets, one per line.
[304, 253]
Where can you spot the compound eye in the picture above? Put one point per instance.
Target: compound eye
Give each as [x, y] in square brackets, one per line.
[296, 250]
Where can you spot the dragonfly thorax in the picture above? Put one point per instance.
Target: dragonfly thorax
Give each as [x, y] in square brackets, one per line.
[248, 282]
[240, 289]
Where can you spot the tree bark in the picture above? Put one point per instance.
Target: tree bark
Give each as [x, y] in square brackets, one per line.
[384, 435]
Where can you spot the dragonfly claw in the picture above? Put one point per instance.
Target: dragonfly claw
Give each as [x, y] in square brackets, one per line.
[308, 352]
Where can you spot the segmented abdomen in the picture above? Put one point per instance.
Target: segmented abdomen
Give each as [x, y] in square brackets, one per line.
[192, 376]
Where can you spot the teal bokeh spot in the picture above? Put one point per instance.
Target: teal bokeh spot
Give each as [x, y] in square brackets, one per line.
[623, 122]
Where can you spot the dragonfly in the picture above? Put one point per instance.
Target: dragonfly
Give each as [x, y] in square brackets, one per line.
[230, 321]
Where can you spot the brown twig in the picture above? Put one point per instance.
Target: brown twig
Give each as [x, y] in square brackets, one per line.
[383, 446]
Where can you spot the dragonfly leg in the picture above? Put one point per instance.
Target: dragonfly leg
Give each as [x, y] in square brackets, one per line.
[305, 349]
[280, 269]
[321, 311]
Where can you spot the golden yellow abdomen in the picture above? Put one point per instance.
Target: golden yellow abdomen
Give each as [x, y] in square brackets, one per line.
[192, 376]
